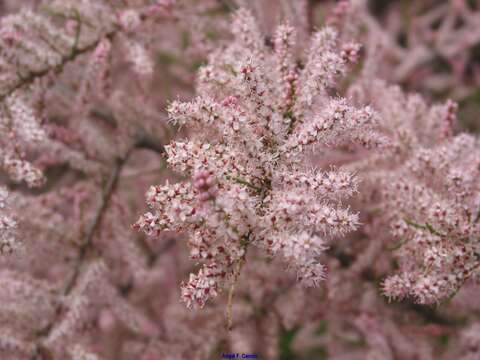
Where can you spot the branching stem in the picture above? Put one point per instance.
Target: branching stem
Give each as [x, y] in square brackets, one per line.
[241, 181]
[39, 351]
[427, 227]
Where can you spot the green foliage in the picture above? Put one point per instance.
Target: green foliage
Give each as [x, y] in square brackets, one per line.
[443, 339]
[317, 353]
[322, 328]
[286, 339]
[469, 107]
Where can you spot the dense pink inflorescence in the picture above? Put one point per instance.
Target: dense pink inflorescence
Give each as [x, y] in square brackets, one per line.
[261, 126]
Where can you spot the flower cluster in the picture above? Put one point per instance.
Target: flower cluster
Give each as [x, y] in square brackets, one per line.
[428, 193]
[435, 208]
[253, 183]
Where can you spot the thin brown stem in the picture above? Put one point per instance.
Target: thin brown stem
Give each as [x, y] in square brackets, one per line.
[39, 351]
[231, 293]
[94, 224]
[33, 75]
[310, 14]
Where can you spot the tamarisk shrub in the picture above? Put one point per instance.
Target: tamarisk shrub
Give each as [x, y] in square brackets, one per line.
[255, 120]
[273, 162]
